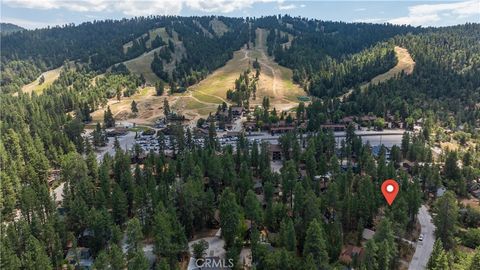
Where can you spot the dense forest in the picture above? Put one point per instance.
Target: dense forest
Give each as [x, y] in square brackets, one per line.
[8, 28]
[446, 80]
[161, 199]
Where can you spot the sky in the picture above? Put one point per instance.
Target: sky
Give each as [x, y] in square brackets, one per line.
[33, 14]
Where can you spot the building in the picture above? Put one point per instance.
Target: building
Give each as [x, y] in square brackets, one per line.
[250, 125]
[367, 234]
[258, 187]
[333, 127]
[79, 258]
[275, 152]
[441, 191]
[237, 110]
[281, 127]
[350, 254]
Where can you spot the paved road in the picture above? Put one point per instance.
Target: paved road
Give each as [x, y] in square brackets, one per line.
[425, 247]
[126, 142]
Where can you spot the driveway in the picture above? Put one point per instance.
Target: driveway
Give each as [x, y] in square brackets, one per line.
[425, 247]
[215, 249]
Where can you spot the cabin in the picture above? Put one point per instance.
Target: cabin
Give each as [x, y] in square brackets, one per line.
[79, 258]
[275, 152]
[237, 110]
[258, 187]
[351, 253]
[250, 125]
[475, 189]
[367, 234]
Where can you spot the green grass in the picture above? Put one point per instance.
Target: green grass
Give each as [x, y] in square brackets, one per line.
[50, 76]
[142, 65]
[192, 104]
[207, 98]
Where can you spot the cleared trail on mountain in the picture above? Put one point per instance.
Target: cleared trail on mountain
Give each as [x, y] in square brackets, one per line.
[405, 63]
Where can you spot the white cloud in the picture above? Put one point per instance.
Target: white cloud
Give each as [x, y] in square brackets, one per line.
[287, 7]
[360, 9]
[302, 5]
[427, 14]
[138, 7]
[371, 20]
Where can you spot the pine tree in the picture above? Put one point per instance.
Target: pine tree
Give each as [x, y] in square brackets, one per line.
[253, 210]
[108, 119]
[134, 236]
[200, 248]
[159, 88]
[287, 235]
[99, 137]
[315, 244]
[102, 261]
[119, 205]
[166, 108]
[446, 219]
[134, 107]
[437, 251]
[117, 261]
[229, 217]
[475, 264]
[9, 259]
[35, 257]
[371, 255]
[452, 171]
[138, 262]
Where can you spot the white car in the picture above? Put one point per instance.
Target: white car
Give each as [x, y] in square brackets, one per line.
[420, 238]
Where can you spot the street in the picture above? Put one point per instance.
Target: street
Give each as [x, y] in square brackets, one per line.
[424, 248]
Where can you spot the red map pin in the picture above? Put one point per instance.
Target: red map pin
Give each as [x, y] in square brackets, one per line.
[390, 190]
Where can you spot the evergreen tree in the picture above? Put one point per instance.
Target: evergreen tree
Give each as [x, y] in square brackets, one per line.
[315, 244]
[166, 108]
[159, 88]
[108, 119]
[229, 217]
[134, 107]
[134, 236]
[253, 210]
[138, 262]
[35, 257]
[102, 261]
[436, 253]
[371, 255]
[287, 235]
[117, 261]
[99, 136]
[475, 264]
[446, 219]
[119, 205]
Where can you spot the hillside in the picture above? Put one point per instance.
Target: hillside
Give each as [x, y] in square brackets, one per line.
[8, 28]
[405, 64]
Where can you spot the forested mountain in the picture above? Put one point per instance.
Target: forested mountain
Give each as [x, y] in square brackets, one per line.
[133, 198]
[446, 79]
[8, 28]
[100, 44]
